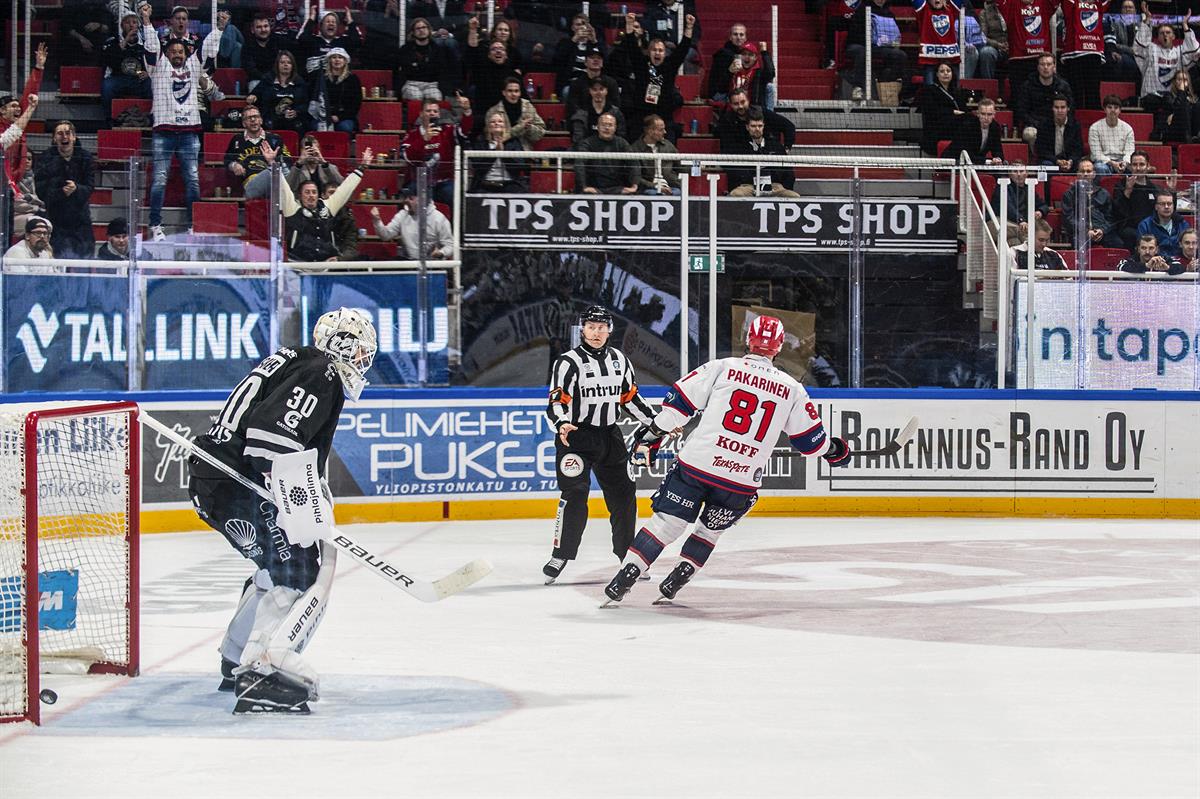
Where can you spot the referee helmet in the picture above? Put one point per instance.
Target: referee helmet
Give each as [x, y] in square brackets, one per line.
[596, 313]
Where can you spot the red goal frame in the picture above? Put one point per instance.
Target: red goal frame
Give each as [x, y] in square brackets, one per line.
[30, 576]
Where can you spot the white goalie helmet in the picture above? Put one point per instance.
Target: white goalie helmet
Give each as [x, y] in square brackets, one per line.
[348, 337]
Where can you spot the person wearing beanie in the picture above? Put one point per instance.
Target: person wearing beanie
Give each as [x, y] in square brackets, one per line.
[338, 94]
[36, 244]
[117, 246]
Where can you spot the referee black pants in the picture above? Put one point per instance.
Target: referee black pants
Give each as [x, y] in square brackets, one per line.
[601, 450]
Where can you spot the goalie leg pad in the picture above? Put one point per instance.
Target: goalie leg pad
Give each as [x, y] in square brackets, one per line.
[238, 631]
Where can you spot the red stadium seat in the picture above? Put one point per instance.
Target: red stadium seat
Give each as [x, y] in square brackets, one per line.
[214, 177]
[362, 215]
[1015, 151]
[706, 145]
[1005, 120]
[1107, 258]
[987, 87]
[381, 117]
[553, 114]
[698, 185]
[1189, 159]
[371, 78]
[335, 146]
[121, 104]
[79, 81]
[1058, 187]
[542, 182]
[703, 114]
[216, 218]
[1160, 158]
[379, 142]
[290, 139]
[379, 180]
[118, 145]
[256, 220]
[689, 87]
[1142, 124]
[543, 84]
[1068, 257]
[1123, 89]
[231, 81]
[215, 145]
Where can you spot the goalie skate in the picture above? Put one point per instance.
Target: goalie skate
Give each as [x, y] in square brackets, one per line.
[259, 693]
[228, 680]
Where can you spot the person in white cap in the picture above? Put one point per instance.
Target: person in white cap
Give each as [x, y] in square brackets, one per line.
[338, 94]
[36, 244]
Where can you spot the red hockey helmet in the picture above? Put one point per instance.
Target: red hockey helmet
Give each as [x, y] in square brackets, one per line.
[765, 336]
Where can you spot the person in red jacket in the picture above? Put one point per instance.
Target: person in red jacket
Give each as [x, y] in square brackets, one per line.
[1083, 49]
[432, 144]
[1029, 36]
[12, 108]
[937, 35]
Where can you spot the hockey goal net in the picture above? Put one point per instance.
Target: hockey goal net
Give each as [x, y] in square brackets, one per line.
[69, 509]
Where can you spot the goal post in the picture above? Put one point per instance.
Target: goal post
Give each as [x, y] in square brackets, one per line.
[69, 526]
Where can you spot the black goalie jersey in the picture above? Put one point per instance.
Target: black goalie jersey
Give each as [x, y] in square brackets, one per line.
[288, 403]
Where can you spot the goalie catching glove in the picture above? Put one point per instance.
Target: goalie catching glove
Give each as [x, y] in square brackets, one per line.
[646, 442]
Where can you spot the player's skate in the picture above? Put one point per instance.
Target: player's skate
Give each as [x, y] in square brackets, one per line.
[227, 677]
[553, 568]
[677, 579]
[269, 693]
[619, 586]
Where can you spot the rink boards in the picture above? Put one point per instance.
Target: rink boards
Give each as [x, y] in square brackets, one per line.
[479, 454]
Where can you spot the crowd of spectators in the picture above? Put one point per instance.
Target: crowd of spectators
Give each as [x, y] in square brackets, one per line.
[619, 93]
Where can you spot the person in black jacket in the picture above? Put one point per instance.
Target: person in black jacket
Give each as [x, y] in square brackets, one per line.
[1179, 114]
[1133, 198]
[1036, 98]
[125, 74]
[747, 181]
[585, 122]
[261, 49]
[338, 94]
[730, 126]
[654, 76]
[116, 247]
[571, 54]
[422, 62]
[1059, 141]
[316, 40]
[605, 177]
[892, 62]
[498, 174]
[943, 108]
[487, 69]
[309, 225]
[64, 177]
[1101, 224]
[722, 60]
[1019, 212]
[578, 96]
[978, 135]
[283, 97]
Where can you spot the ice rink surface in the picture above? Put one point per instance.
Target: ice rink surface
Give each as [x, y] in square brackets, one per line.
[811, 658]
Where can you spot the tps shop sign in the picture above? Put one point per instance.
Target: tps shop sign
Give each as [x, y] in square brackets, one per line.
[70, 332]
[653, 223]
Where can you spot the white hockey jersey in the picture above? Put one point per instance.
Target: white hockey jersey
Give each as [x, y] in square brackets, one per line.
[1159, 64]
[176, 92]
[747, 403]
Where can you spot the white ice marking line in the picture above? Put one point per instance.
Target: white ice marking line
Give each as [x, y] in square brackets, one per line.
[839, 575]
[1014, 590]
[1102, 606]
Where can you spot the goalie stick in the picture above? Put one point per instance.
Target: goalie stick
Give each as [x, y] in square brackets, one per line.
[424, 590]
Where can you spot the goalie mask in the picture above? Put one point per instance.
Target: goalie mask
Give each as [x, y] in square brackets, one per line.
[348, 338]
[765, 336]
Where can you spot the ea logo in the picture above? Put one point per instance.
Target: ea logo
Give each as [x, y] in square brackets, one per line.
[571, 465]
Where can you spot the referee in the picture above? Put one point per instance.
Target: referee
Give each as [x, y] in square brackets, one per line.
[589, 386]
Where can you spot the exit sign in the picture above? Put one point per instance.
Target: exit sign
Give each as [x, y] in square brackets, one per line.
[700, 263]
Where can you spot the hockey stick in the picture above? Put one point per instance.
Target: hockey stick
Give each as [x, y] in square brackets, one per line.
[891, 448]
[424, 590]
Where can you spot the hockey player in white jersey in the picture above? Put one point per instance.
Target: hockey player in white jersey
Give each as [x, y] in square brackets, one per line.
[743, 405]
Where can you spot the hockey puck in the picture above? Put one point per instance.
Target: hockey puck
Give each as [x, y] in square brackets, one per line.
[48, 696]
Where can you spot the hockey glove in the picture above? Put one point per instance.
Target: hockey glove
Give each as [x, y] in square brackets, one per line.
[646, 442]
[838, 453]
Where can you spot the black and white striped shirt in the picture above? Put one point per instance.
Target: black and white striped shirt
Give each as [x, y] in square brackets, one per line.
[590, 389]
